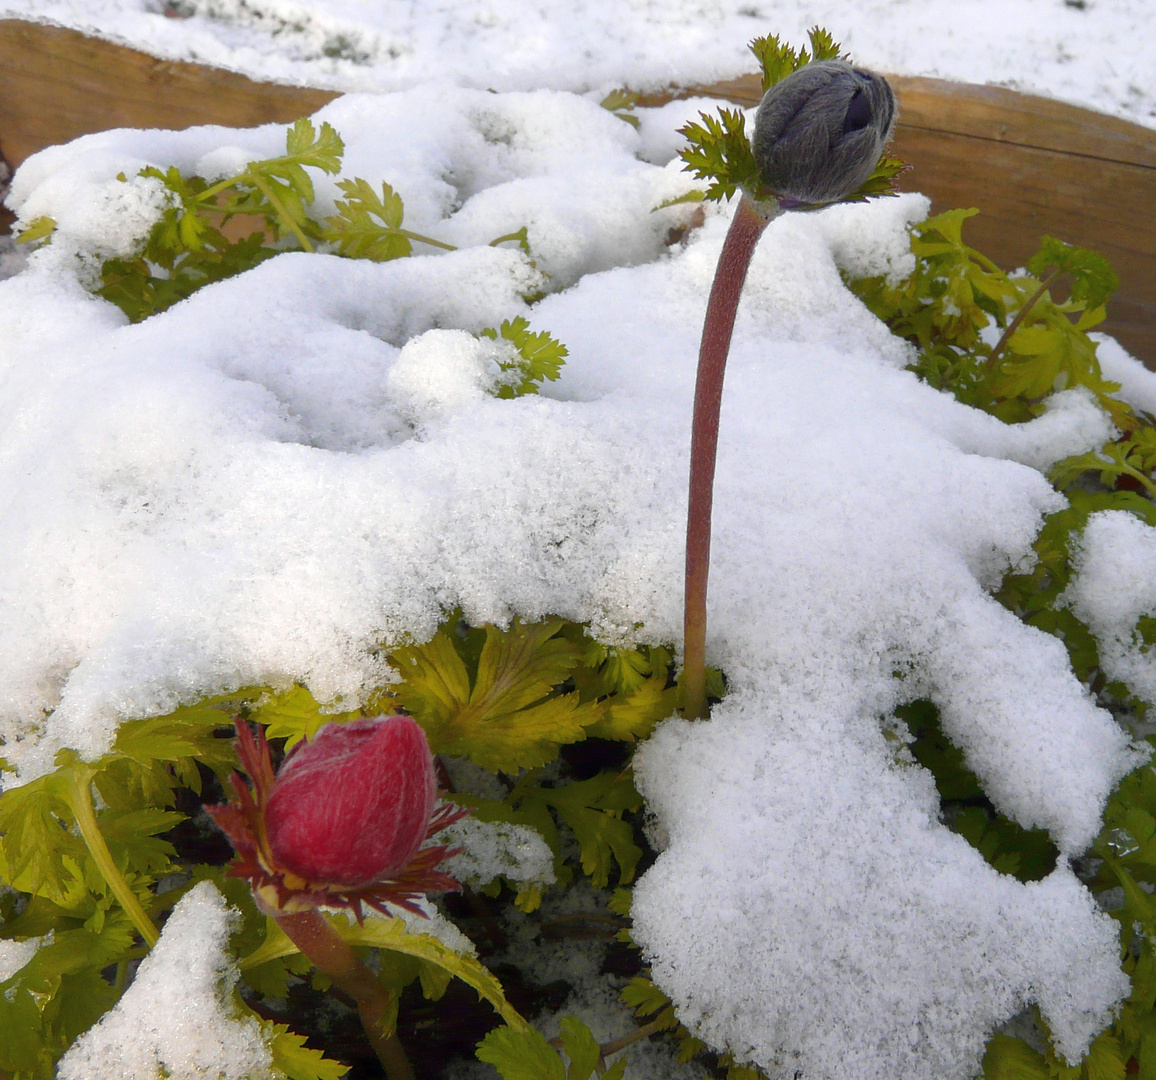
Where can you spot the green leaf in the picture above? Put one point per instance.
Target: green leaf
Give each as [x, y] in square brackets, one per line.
[509, 715]
[635, 714]
[647, 1000]
[1093, 279]
[719, 152]
[521, 1054]
[39, 852]
[1012, 1059]
[131, 836]
[40, 228]
[777, 59]
[592, 809]
[622, 103]
[23, 1049]
[368, 225]
[539, 357]
[298, 1061]
[322, 150]
[581, 1048]
[391, 934]
[295, 714]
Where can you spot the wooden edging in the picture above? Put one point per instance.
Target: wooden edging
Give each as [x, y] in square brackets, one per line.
[1031, 165]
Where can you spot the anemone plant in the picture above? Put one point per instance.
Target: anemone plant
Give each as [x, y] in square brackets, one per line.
[820, 134]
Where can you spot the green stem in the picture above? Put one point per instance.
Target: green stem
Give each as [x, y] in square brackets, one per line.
[1136, 474]
[333, 956]
[80, 800]
[746, 227]
[425, 239]
[520, 236]
[222, 185]
[267, 191]
[644, 1032]
[1014, 325]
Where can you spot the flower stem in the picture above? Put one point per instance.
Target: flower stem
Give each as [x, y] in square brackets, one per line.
[334, 957]
[1005, 337]
[80, 801]
[746, 227]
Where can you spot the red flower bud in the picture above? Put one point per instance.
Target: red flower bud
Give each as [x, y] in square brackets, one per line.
[353, 805]
[344, 821]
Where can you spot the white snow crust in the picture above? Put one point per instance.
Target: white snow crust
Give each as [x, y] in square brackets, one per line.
[1095, 54]
[267, 482]
[495, 849]
[177, 1019]
[1113, 587]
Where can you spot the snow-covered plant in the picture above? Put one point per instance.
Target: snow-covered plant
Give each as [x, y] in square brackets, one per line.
[342, 824]
[849, 883]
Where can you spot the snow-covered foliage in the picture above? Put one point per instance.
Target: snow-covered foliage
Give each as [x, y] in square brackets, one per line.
[274, 479]
[177, 1019]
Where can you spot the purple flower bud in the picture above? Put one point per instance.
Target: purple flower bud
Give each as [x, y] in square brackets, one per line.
[820, 132]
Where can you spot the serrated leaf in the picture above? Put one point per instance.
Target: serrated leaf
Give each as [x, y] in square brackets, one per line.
[131, 836]
[505, 718]
[1093, 279]
[592, 810]
[634, 715]
[719, 152]
[521, 1054]
[295, 714]
[1105, 1060]
[540, 357]
[581, 1048]
[40, 852]
[647, 1000]
[776, 58]
[368, 225]
[323, 150]
[392, 934]
[298, 1061]
[1012, 1059]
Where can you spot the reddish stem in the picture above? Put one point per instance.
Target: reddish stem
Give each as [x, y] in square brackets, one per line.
[330, 954]
[746, 227]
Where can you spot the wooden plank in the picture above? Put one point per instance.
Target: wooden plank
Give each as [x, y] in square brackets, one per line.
[57, 84]
[1030, 165]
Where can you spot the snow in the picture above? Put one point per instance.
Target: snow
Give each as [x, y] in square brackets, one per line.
[271, 480]
[1093, 54]
[1113, 587]
[495, 849]
[177, 1019]
[15, 954]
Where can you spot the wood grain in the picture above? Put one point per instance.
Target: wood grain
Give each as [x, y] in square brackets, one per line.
[1031, 165]
[57, 84]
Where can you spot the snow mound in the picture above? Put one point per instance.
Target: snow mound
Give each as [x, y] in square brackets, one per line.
[177, 1019]
[1114, 586]
[297, 467]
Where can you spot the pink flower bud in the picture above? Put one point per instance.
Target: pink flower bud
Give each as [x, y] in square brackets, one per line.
[343, 823]
[353, 805]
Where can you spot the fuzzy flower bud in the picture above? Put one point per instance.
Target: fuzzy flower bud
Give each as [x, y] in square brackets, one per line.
[820, 132]
[343, 822]
[353, 805]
